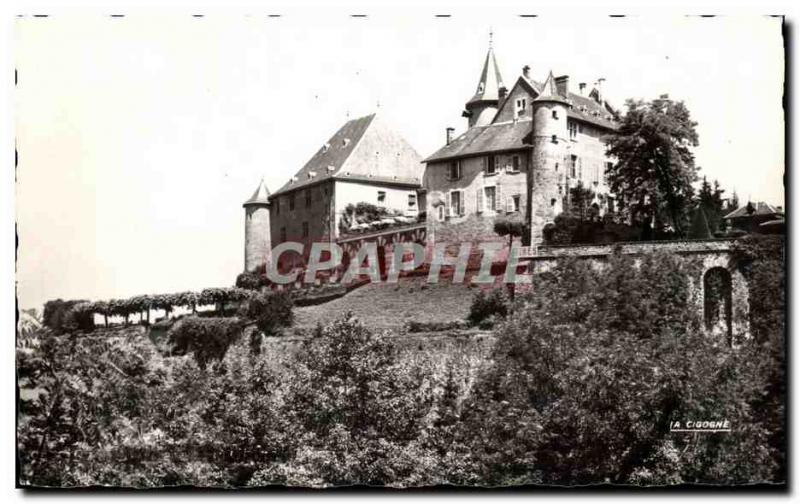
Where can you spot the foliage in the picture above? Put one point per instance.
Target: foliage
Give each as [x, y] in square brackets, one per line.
[413, 326]
[270, 311]
[494, 304]
[588, 376]
[568, 228]
[711, 203]
[699, 228]
[655, 168]
[511, 227]
[59, 316]
[206, 338]
[138, 304]
[583, 381]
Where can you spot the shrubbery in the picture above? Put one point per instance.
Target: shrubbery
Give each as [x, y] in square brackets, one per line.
[270, 311]
[60, 316]
[488, 307]
[583, 381]
[413, 326]
[207, 338]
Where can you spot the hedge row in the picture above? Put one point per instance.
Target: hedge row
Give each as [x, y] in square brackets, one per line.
[138, 304]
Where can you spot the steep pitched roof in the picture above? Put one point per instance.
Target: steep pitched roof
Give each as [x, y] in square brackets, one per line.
[584, 108]
[331, 156]
[490, 81]
[260, 197]
[363, 150]
[490, 138]
[760, 208]
[549, 91]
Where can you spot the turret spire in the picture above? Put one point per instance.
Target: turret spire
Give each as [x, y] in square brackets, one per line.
[483, 104]
[550, 91]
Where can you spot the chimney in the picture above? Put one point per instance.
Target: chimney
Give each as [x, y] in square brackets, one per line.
[450, 134]
[526, 72]
[600, 82]
[582, 88]
[501, 93]
[562, 85]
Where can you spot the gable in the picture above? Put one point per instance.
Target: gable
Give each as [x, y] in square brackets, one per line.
[382, 154]
[519, 91]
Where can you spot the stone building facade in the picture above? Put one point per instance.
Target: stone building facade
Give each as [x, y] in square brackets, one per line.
[364, 161]
[542, 139]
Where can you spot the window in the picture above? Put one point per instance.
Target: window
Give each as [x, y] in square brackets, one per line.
[277, 206]
[381, 196]
[456, 203]
[573, 161]
[554, 139]
[572, 126]
[291, 202]
[491, 164]
[519, 106]
[305, 230]
[490, 200]
[515, 162]
[514, 203]
[555, 114]
[412, 200]
[308, 198]
[440, 212]
[283, 234]
[454, 170]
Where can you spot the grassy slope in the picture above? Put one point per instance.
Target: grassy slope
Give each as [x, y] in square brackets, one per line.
[391, 305]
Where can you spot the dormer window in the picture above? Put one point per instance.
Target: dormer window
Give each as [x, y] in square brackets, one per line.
[345, 142]
[480, 88]
[326, 147]
[519, 106]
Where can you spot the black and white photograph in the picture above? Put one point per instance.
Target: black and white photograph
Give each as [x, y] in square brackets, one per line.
[395, 250]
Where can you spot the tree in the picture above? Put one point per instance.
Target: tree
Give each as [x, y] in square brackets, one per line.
[511, 227]
[699, 228]
[710, 200]
[655, 166]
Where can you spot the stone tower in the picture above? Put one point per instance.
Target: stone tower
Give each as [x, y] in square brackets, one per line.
[549, 146]
[482, 107]
[257, 246]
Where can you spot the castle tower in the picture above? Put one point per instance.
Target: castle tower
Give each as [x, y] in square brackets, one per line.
[482, 107]
[257, 246]
[549, 145]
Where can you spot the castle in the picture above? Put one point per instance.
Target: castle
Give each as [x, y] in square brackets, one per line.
[522, 152]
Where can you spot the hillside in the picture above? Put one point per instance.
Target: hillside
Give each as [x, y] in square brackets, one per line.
[389, 306]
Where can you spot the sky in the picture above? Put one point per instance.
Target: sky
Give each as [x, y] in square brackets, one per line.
[140, 137]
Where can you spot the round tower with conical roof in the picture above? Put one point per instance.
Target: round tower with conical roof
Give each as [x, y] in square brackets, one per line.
[549, 146]
[257, 243]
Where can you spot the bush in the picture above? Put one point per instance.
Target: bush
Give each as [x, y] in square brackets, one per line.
[208, 338]
[487, 305]
[270, 311]
[60, 316]
[248, 280]
[413, 326]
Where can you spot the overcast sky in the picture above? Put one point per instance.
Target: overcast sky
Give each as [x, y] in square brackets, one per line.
[140, 137]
